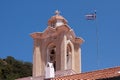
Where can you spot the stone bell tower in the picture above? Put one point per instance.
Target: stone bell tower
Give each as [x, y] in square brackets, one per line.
[58, 45]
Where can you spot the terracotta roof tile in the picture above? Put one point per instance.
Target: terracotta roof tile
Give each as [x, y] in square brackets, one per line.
[64, 73]
[93, 75]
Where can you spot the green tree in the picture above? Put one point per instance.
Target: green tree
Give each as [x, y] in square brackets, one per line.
[11, 69]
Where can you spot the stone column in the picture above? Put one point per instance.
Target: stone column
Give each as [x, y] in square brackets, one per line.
[36, 59]
[77, 56]
[63, 53]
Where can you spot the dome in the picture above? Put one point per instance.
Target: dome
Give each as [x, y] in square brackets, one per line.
[57, 20]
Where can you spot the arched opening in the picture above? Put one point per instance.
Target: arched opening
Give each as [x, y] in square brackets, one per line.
[51, 55]
[69, 57]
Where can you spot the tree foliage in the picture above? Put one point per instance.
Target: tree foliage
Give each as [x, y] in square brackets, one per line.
[11, 69]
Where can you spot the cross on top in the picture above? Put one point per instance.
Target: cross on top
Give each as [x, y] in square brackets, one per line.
[57, 12]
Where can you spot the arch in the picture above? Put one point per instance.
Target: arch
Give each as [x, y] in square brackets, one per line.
[69, 55]
[51, 54]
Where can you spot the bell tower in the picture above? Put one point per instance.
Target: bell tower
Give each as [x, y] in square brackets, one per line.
[58, 45]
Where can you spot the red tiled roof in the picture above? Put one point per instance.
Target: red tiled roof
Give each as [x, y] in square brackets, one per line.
[70, 75]
[64, 73]
[93, 75]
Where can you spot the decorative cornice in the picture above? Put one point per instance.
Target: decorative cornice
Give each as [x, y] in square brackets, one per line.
[50, 31]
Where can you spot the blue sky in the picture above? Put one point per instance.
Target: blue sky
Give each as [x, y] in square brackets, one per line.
[20, 18]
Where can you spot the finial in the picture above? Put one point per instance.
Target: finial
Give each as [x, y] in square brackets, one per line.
[57, 12]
